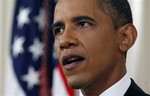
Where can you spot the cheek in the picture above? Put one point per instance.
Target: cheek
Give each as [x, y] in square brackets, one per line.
[94, 48]
[100, 55]
[99, 47]
[94, 45]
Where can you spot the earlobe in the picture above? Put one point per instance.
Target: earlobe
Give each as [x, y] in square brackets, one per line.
[128, 37]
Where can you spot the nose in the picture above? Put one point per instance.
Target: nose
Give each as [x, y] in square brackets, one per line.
[68, 40]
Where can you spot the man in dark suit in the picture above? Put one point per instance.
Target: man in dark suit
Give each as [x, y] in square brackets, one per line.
[92, 38]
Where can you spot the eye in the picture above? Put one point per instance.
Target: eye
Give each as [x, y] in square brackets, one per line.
[57, 31]
[83, 24]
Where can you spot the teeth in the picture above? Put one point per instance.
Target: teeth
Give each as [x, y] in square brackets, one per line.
[72, 59]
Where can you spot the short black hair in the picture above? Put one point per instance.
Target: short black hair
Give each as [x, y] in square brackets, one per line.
[118, 10]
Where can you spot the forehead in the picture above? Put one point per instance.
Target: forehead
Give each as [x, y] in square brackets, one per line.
[77, 2]
[75, 7]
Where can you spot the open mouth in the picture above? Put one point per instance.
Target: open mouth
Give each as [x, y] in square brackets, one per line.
[72, 59]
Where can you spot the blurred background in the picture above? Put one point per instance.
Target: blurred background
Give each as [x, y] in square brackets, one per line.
[138, 60]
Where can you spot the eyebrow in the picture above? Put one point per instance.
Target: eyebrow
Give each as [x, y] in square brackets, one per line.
[74, 19]
[78, 18]
[57, 24]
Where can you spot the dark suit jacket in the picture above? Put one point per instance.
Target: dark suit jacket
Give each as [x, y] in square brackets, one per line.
[135, 90]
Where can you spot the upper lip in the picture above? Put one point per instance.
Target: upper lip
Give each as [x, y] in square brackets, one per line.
[71, 58]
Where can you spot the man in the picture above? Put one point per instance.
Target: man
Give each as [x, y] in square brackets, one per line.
[92, 38]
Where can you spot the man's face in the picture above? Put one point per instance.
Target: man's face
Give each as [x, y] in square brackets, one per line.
[85, 42]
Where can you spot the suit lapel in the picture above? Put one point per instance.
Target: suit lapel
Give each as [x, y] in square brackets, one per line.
[135, 90]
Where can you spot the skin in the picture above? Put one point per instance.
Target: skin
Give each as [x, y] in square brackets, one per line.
[81, 28]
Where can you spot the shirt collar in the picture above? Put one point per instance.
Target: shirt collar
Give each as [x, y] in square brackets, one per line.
[118, 89]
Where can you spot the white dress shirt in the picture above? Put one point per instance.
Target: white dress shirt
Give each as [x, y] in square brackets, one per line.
[118, 89]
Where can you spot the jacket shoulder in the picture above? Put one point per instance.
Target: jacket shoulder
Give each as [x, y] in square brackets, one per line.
[135, 90]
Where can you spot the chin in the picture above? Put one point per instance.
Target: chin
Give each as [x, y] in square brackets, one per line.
[75, 83]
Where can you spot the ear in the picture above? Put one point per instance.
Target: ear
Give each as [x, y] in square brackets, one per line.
[128, 34]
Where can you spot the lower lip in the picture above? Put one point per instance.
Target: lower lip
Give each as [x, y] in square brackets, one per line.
[72, 65]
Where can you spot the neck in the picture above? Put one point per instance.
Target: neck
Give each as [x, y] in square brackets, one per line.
[104, 82]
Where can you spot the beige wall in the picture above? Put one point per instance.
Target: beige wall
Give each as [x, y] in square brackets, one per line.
[138, 62]
[6, 14]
